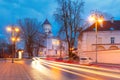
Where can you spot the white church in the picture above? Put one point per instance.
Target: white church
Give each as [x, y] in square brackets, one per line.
[53, 45]
[107, 47]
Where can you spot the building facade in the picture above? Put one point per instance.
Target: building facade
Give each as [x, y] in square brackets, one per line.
[53, 45]
[105, 40]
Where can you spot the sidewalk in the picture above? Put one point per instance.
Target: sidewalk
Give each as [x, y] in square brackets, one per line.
[19, 70]
[108, 65]
[12, 71]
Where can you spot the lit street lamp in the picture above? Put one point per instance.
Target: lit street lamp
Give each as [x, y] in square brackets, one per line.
[97, 18]
[14, 38]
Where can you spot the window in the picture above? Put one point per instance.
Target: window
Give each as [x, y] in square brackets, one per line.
[94, 29]
[111, 28]
[99, 40]
[112, 40]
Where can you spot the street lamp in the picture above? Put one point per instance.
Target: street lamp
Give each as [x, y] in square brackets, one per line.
[14, 38]
[97, 18]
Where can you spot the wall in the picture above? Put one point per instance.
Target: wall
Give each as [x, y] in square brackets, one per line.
[89, 38]
[109, 56]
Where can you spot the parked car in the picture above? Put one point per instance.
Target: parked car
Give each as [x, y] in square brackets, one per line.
[86, 60]
[66, 58]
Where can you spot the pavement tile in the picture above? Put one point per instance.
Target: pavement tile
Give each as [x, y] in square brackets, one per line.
[13, 71]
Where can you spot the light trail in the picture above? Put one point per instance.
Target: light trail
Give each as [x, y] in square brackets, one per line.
[85, 76]
[35, 64]
[45, 71]
[90, 67]
[84, 70]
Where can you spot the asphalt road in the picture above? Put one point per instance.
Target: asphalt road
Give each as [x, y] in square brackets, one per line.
[51, 70]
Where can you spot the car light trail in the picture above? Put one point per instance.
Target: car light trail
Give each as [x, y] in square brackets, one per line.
[90, 67]
[45, 71]
[85, 76]
[84, 70]
[36, 64]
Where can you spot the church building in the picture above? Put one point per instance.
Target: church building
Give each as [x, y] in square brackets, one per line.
[54, 46]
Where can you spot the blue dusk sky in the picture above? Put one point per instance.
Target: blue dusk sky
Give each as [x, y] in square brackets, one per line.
[12, 10]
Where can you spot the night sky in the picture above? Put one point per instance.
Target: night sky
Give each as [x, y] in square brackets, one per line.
[11, 10]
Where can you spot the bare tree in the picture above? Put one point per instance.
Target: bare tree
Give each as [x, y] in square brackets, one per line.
[39, 42]
[30, 30]
[68, 14]
[5, 48]
[2, 47]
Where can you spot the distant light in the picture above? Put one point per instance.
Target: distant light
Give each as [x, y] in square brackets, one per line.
[18, 39]
[8, 29]
[100, 20]
[96, 18]
[13, 39]
[20, 55]
[91, 18]
[17, 29]
[55, 42]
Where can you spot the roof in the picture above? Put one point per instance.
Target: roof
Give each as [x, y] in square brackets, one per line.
[46, 22]
[105, 26]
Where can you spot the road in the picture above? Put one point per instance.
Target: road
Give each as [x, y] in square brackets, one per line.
[40, 69]
[51, 70]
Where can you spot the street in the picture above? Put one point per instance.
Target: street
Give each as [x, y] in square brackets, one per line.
[65, 71]
[60, 40]
[39, 69]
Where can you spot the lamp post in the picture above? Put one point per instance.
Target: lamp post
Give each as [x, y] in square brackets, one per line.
[96, 17]
[14, 38]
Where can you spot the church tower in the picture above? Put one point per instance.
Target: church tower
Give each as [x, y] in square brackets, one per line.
[47, 28]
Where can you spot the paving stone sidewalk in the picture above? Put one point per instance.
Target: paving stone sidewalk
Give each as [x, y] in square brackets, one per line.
[12, 71]
[19, 70]
[109, 66]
